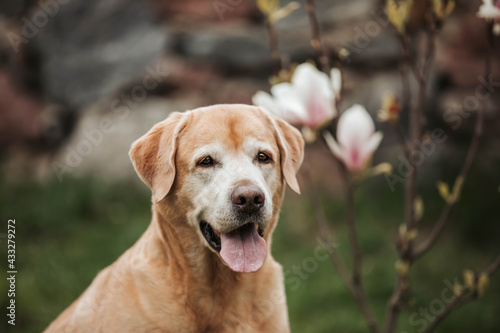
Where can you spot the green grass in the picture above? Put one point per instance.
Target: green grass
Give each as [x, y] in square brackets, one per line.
[67, 232]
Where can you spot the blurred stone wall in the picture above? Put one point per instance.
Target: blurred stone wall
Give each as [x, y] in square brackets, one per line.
[66, 66]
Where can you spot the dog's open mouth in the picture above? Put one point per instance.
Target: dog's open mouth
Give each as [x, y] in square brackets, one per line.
[243, 250]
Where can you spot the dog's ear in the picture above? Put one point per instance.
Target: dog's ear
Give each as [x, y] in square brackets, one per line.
[291, 146]
[153, 155]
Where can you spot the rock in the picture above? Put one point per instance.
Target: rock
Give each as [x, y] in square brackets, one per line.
[234, 51]
[463, 49]
[101, 141]
[88, 48]
[220, 11]
[27, 122]
[19, 112]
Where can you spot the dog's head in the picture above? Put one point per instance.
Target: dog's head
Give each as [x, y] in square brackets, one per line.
[226, 166]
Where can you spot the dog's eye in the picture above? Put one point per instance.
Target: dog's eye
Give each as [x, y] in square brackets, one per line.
[206, 162]
[263, 158]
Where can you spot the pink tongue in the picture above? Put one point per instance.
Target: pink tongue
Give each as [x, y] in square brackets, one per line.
[243, 250]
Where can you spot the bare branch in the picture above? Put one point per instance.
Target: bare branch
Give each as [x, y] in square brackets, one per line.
[356, 253]
[405, 81]
[471, 154]
[353, 282]
[394, 305]
[324, 230]
[416, 123]
[273, 46]
[401, 137]
[461, 299]
[493, 267]
[316, 37]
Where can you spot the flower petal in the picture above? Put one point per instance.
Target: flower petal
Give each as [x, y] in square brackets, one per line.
[307, 78]
[291, 107]
[307, 101]
[263, 99]
[355, 127]
[332, 144]
[320, 111]
[314, 90]
[336, 81]
[369, 148]
[488, 10]
[354, 134]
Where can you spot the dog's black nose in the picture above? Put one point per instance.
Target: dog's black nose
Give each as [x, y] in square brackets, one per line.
[248, 198]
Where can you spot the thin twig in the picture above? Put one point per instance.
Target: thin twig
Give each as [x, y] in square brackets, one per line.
[396, 124]
[415, 126]
[416, 123]
[431, 47]
[322, 222]
[273, 46]
[493, 267]
[401, 137]
[471, 154]
[461, 299]
[351, 228]
[394, 305]
[407, 56]
[353, 282]
[359, 294]
[405, 81]
[324, 230]
[316, 37]
[457, 302]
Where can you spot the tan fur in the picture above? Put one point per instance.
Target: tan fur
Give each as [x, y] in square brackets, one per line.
[171, 280]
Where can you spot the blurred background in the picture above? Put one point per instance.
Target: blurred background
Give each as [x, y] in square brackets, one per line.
[80, 80]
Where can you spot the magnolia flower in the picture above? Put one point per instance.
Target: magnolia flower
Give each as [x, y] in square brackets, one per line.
[490, 10]
[356, 137]
[308, 101]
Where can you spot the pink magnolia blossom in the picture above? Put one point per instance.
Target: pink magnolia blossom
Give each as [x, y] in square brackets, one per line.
[357, 140]
[490, 10]
[308, 101]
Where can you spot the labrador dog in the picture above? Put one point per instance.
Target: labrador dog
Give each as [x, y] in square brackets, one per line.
[217, 176]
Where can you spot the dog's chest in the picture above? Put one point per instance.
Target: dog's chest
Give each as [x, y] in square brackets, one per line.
[225, 315]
